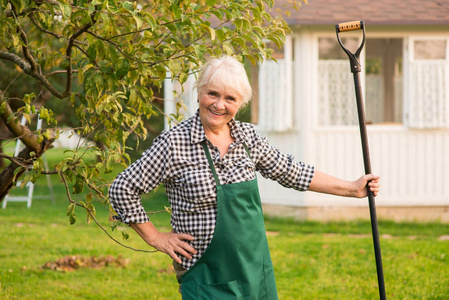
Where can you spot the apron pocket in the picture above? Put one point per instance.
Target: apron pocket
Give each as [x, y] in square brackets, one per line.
[232, 290]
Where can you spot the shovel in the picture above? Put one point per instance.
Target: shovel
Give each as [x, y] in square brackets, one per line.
[354, 59]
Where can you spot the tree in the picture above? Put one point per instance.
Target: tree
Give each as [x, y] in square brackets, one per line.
[104, 59]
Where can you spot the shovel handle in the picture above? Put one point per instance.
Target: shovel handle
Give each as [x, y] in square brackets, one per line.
[349, 26]
[353, 57]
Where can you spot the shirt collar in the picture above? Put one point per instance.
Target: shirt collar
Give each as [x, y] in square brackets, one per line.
[198, 134]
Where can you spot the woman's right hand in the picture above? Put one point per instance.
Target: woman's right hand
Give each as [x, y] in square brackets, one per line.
[170, 243]
[174, 243]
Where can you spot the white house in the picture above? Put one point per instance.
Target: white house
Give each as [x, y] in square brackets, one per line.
[305, 105]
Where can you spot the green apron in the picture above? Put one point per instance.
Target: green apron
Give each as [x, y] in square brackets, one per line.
[237, 263]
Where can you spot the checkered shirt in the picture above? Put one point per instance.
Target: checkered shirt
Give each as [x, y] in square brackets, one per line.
[177, 160]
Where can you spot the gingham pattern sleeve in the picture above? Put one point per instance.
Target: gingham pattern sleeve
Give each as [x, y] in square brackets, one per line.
[141, 177]
[273, 164]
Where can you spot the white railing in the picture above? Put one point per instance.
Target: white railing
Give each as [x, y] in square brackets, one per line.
[413, 163]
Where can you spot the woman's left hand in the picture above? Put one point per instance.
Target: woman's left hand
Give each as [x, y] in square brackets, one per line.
[373, 182]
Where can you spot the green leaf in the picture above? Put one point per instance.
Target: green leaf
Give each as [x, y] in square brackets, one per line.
[228, 49]
[176, 10]
[2, 107]
[92, 52]
[133, 100]
[18, 5]
[210, 30]
[71, 209]
[15, 40]
[221, 35]
[218, 14]
[72, 218]
[129, 6]
[72, 98]
[89, 198]
[109, 164]
[65, 10]
[28, 97]
[99, 84]
[138, 20]
[47, 134]
[151, 21]
[79, 185]
[25, 181]
[122, 68]
[88, 218]
[91, 208]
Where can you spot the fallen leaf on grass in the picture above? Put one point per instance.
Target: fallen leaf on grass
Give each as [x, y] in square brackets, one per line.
[73, 262]
[169, 270]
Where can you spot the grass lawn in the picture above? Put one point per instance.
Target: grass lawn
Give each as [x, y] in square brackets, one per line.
[312, 260]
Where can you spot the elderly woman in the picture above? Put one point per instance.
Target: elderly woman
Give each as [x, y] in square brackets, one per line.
[207, 164]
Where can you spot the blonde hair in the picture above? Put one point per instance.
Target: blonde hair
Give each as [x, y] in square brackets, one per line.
[228, 73]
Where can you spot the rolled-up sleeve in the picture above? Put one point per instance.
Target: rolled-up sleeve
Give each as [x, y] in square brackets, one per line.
[140, 178]
[283, 168]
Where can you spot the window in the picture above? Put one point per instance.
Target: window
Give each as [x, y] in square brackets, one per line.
[337, 104]
[382, 88]
[275, 88]
[429, 49]
[428, 79]
[384, 80]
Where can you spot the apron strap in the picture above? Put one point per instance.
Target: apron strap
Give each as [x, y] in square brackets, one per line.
[211, 163]
[247, 151]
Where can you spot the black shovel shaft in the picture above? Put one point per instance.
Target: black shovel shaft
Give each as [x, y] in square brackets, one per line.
[356, 69]
[371, 201]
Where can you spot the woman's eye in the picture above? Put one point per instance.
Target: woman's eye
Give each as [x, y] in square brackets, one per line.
[231, 99]
[213, 94]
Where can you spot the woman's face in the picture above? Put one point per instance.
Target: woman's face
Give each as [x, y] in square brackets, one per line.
[217, 107]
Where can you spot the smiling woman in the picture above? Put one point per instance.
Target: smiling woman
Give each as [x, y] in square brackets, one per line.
[223, 88]
[207, 164]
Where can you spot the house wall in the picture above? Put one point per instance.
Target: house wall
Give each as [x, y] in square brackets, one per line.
[412, 163]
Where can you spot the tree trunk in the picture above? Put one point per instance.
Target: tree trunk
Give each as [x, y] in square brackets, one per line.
[7, 175]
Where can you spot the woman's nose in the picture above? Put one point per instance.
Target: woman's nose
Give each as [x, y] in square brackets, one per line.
[219, 103]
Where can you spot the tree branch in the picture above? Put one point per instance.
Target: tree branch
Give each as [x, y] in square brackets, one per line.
[95, 219]
[18, 161]
[38, 26]
[27, 137]
[26, 67]
[118, 48]
[25, 49]
[59, 72]
[9, 13]
[70, 45]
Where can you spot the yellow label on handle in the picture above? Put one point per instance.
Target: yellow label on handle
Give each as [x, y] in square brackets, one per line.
[349, 26]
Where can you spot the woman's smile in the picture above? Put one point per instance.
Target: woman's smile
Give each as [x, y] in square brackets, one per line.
[216, 113]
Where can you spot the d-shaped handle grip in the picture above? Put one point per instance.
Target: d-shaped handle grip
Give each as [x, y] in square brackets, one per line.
[353, 57]
[349, 26]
